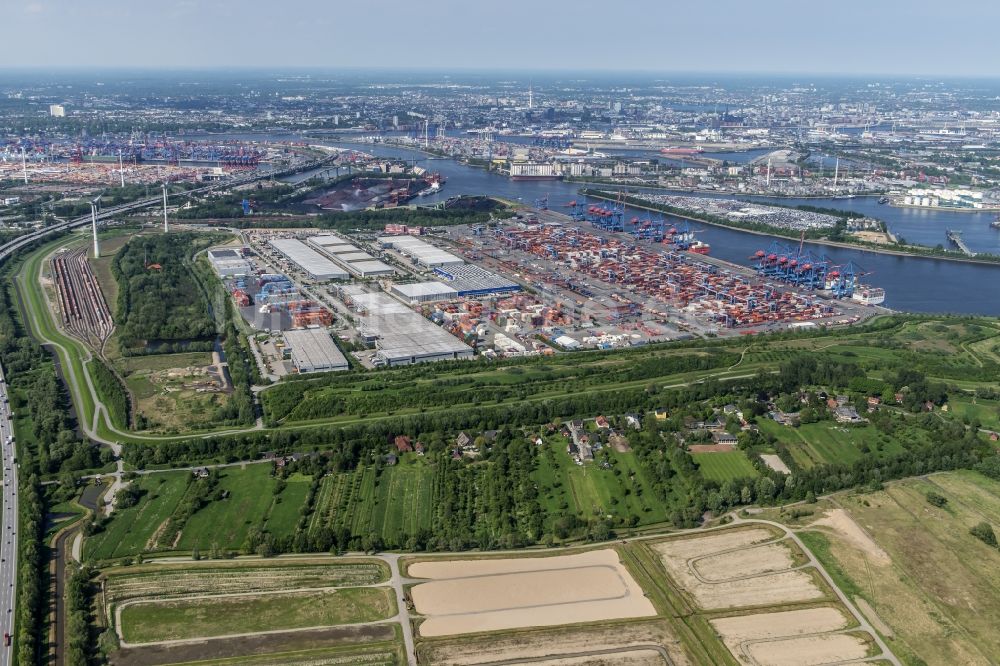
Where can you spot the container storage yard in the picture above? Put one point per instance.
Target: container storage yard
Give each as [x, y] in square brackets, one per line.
[673, 281]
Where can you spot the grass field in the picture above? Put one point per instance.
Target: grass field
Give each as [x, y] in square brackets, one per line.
[591, 489]
[401, 501]
[939, 588]
[986, 411]
[214, 577]
[380, 654]
[222, 616]
[132, 528]
[287, 505]
[723, 466]
[225, 522]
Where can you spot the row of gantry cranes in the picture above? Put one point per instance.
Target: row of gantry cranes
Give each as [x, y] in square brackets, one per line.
[780, 261]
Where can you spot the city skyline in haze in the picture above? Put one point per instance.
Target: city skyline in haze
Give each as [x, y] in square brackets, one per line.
[781, 37]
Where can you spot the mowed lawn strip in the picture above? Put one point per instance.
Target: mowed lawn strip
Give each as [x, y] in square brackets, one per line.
[724, 465]
[222, 616]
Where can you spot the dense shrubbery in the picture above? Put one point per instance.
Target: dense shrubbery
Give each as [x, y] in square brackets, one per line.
[111, 391]
[159, 304]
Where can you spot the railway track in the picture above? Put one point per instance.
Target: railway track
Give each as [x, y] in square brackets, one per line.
[85, 313]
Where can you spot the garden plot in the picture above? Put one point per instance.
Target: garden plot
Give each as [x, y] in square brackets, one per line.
[798, 637]
[466, 596]
[732, 569]
[168, 581]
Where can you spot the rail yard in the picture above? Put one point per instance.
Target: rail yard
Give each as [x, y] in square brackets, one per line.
[84, 311]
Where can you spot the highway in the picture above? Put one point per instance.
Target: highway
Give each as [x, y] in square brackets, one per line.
[8, 546]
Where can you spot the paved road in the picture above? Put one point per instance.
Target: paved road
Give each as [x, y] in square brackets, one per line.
[8, 544]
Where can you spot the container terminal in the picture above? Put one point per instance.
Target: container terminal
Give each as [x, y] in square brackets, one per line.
[536, 283]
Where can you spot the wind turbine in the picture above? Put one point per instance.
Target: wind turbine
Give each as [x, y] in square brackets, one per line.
[165, 227]
[94, 204]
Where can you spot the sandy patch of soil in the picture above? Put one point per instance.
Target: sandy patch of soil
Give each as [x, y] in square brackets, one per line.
[689, 563]
[808, 650]
[841, 522]
[763, 637]
[629, 658]
[548, 645]
[775, 463]
[685, 548]
[751, 561]
[466, 596]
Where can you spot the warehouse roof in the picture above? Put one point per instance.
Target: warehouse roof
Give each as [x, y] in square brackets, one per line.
[423, 252]
[354, 256]
[420, 290]
[371, 267]
[401, 333]
[313, 349]
[308, 259]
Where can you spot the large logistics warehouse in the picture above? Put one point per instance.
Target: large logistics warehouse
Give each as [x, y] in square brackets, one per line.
[313, 350]
[355, 261]
[424, 292]
[420, 251]
[401, 335]
[229, 263]
[312, 262]
[471, 280]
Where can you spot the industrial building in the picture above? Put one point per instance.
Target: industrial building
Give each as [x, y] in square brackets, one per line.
[229, 263]
[420, 251]
[309, 260]
[470, 280]
[313, 350]
[424, 292]
[401, 336]
[355, 261]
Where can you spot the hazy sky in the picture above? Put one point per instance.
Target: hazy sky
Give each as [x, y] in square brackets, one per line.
[957, 37]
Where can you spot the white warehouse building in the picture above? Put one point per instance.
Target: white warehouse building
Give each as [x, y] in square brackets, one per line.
[228, 262]
[309, 260]
[313, 350]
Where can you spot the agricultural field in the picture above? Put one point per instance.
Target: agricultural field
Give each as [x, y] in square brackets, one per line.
[199, 608]
[471, 596]
[753, 588]
[162, 581]
[397, 501]
[915, 570]
[723, 466]
[190, 618]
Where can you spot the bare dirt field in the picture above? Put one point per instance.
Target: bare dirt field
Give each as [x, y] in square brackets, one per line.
[727, 570]
[775, 463]
[466, 596]
[808, 650]
[842, 523]
[750, 561]
[631, 657]
[617, 643]
[790, 637]
[246, 646]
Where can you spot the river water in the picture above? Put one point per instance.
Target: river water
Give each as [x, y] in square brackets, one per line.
[914, 284]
